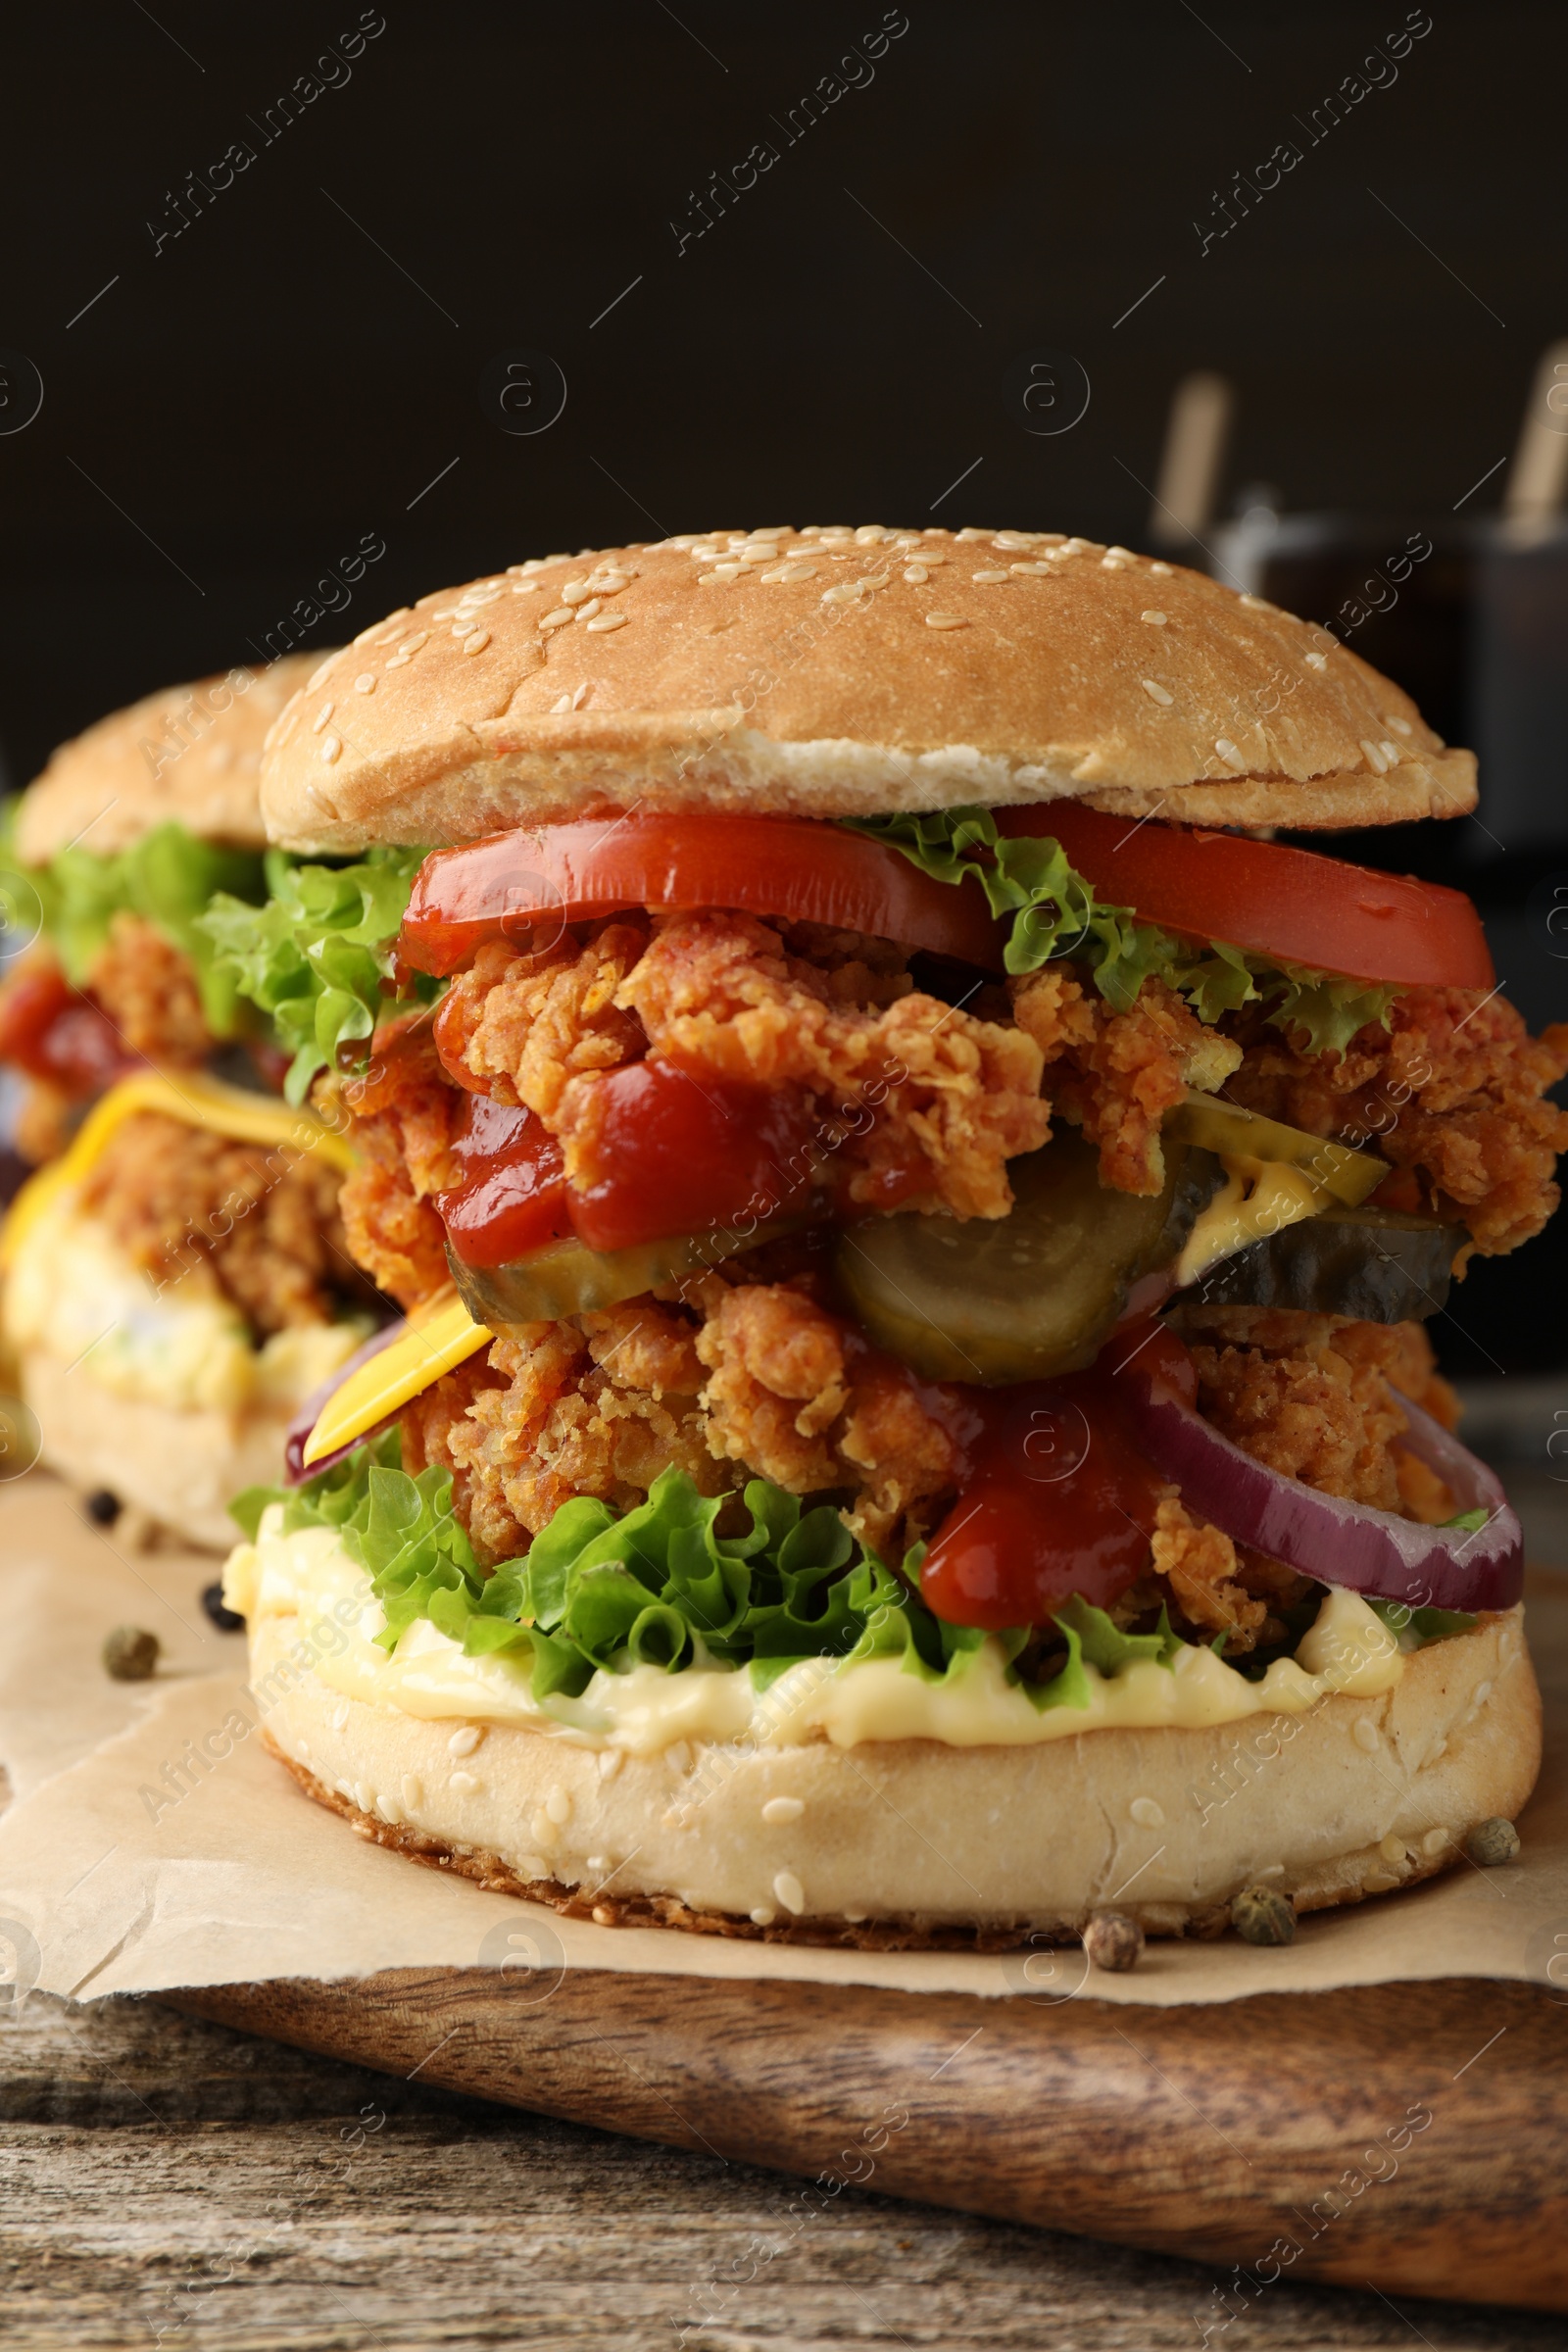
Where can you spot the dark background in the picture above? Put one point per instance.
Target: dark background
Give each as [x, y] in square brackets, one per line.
[301, 364]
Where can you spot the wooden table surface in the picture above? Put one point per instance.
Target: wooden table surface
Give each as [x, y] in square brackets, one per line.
[170, 2182]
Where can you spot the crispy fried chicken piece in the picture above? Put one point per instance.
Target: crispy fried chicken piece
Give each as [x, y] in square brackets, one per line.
[148, 990]
[524, 1025]
[1200, 1567]
[1450, 1093]
[794, 1394]
[1315, 1396]
[404, 1111]
[262, 1224]
[1118, 1073]
[951, 1098]
[599, 1406]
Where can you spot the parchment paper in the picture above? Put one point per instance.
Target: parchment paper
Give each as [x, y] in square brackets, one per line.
[244, 1878]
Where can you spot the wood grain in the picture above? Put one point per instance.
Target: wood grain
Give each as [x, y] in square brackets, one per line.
[1233, 2132]
[163, 2174]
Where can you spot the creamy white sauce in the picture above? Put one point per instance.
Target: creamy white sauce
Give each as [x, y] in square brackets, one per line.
[179, 1343]
[309, 1577]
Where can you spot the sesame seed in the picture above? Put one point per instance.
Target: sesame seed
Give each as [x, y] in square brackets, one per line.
[1434, 1842]
[604, 1915]
[1146, 1813]
[712, 579]
[1400, 726]
[1390, 753]
[1373, 757]
[869, 534]
[413, 1791]
[1155, 620]
[763, 1916]
[1112, 564]
[464, 1739]
[331, 745]
[556, 619]
[542, 1829]
[1029, 572]
[783, 1808]
[845, 593]
[562, 704]
[1391, 1848]
[573, 592]
[916, 575]
[478, 642]
[946, 620]
[971, 534]
[1364, 1732]
[581, 694]
[586, 612]
[1318, 660]
[412, 645]
[340, 1717]
[320, 718]
[932, 557]
[364, 683]
[611, 1760]
[1255, 604]
[1161, 571]
[791, 1893]
[988, 579]
[364, 1796]
[525, 587]
[463, 1782]
[730, 571]
[607, 620]
[1014, 539]
[1156, 692]
[557, 1804]
[1228, 752]
[397, 662]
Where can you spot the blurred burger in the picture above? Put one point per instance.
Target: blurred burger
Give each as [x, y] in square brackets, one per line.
[917, 1220]
[175, 1277]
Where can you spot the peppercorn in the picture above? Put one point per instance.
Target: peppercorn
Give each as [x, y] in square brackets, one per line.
[102, 1507]
[226, 1620]
[1263, 1915]
[130, 1653]
[1492, 1842]
[1114, 1941]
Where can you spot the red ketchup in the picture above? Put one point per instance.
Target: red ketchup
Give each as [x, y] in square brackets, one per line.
[53, 1032]
[669, 1154]
[1057, 1500]
[513, 1197]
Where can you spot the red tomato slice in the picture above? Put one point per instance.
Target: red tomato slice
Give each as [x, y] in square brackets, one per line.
[53, 1032]
[528, 885]
[1288, 903]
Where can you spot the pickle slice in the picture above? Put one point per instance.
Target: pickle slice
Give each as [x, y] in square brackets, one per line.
[1247, 1135]
[570, 1279]
[1373, 1265]
[1026, 1296]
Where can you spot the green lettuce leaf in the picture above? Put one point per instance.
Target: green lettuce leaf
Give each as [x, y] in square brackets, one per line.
[167, 878]
[316, 957]
[1428, 1625]
[1055, 914]
[656, 1585]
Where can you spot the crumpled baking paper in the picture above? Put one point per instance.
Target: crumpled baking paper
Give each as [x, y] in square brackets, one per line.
[242, 1878]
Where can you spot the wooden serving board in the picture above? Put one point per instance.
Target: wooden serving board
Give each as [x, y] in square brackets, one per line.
[1284, 2135]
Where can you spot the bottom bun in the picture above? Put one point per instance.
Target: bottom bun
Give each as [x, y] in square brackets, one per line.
[181, 1468]
[912, 1843]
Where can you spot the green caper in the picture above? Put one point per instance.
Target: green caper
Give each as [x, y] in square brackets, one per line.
[130, 1653]
[1492, 1842]
[1263, 1915]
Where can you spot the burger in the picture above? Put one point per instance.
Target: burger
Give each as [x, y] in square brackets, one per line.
[916, 1219]
[175, 1280]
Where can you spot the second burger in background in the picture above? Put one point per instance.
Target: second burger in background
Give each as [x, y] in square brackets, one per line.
[175, 1279]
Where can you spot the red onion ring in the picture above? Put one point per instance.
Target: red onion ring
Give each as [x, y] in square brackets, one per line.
[297, 1436]
[1321, 1536]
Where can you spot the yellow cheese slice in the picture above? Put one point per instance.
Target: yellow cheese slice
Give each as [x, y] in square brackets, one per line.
[187, 1095]
[1260, 1197]
[440, 1335]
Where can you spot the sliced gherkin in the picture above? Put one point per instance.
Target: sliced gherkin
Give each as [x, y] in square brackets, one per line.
[1375, 1265]
[1027, 1295]
[570, 1279]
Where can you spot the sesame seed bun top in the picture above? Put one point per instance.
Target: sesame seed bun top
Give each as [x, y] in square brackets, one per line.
[830, 673]
[188, 752]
